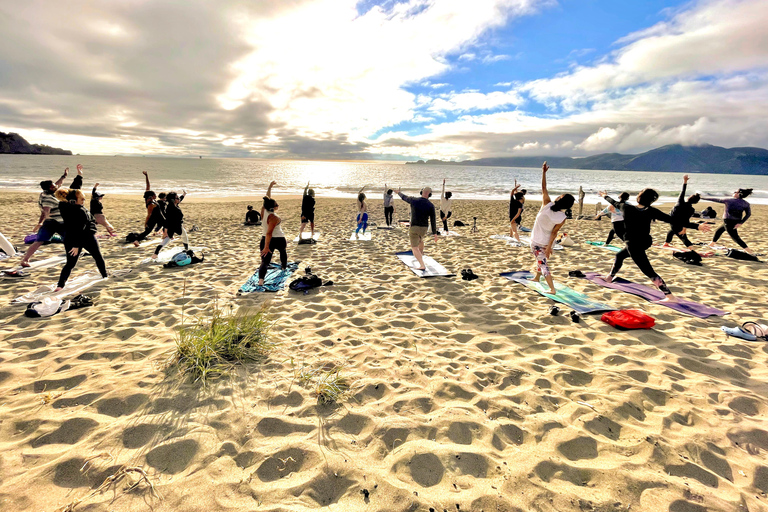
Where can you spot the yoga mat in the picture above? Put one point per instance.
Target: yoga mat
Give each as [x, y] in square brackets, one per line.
[306, 235]
[524, 229]
[603, 245]
[576, 300]
[655, 296]
[447, 233]
[274, 281]
[526, 241]
[360, 237]
[167, 255]
[48, 262]
[385, 227]
[72, 287]
[434, 269]
[145, 243]
[703, 254]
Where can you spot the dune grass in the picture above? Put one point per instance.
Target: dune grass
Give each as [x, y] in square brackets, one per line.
[326, 383]
[220, 340]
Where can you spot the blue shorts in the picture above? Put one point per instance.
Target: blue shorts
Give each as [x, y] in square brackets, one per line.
[362, 219]
[49, 228]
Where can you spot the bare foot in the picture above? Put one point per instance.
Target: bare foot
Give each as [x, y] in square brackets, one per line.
[552, 292]
[713, 244]
[136, 244]
[25, 264]
[261, 282]
[608, 278]
[154, 256]
[665, 244]
[58, 289]
[669, 298]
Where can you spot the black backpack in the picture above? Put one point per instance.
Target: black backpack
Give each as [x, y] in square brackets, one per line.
[132, 237]
[305, 283]
[689, 257]
[741, 255]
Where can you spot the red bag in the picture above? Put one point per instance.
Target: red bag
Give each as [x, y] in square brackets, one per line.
[628, 319]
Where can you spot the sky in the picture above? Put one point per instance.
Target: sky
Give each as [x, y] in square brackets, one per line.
[384, 80]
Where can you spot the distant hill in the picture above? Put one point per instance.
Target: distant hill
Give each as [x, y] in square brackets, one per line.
[16, 144]
[672, 158]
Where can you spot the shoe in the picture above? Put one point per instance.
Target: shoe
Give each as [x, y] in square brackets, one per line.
[738, 332]
[554, 310]
[575, 318]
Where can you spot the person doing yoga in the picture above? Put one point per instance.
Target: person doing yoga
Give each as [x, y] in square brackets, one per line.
[389, 205]
[362, 212]
[308, 210]
[273, 238]
[516, 200]
[737, 212]
[617, 219]
[80, 236]
[97, 210]
[549, 220]
[637, 220]
[155, 215]
[446, 207]
[422, 216]
[681, 214]
[174, 222]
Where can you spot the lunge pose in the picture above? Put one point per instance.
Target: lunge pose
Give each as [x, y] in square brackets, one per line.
[155, 215]
[174, 222]
[549, 220]
[737, 212]
[97, 210]
[362, 212]
[307, 210]
[681, 214]
[446, 207]
[80, 228]
[273, 238]
[516, 201]
[422, 216]
[617, 219]
[389, 205]
[637, 220]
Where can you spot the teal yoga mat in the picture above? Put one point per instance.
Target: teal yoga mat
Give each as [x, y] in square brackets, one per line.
[568, 296]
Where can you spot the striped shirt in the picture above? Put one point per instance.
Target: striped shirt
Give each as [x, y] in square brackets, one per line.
[47, 200]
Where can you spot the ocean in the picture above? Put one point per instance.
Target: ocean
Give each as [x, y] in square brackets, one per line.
[221, 177]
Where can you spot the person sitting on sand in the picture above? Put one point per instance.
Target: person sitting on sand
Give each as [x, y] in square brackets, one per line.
[389, 205]
[734, 217]
[708, 213]
[252, 217]
[617, 219]
[446, 207]
[308, 210]
[273, 238]
[174, 223]
[80, 228]
[637, 221]
[516, 200]
[682, 213]
[50, 221]
[549, 220]
[422, 216]
[362, 212]
[97, 210]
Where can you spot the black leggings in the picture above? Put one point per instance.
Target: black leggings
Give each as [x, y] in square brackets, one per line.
[389, 212]
[89, 244]
[276, 244]
[153, 224]
[445, 218]
[676, 231]
[729, 225]
[636, 251]
[618, 230]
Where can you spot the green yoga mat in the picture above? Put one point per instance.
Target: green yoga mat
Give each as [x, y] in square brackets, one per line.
[568, 296]
[603, 245]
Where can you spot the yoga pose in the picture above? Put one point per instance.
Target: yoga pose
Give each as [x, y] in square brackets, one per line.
[681, 214]
[97, 210]
[389, 205]
[81, 233]
[549, 220]
[272, 238]
[446, 205]
[174, 222]
[516, 200]
[362, 212]
[50, 221]
[308, 210]
[252, 217]
[734, 217]
[422, 216]
[617, 219]
[637, 220]
[155, 215]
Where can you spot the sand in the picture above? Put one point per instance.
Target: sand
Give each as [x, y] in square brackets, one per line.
[464, 395]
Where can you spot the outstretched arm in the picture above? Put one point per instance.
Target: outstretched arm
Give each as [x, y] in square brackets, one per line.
[713, 199]
[269, 189]
[544, 193]
[60, 181]
[681, 198]
[146, 178]
[361, 190]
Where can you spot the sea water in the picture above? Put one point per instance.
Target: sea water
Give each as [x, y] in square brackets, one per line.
[221, 177]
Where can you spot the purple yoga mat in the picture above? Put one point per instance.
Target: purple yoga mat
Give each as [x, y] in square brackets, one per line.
[656, 296]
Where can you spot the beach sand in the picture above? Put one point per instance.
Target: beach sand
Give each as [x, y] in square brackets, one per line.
[465, 396]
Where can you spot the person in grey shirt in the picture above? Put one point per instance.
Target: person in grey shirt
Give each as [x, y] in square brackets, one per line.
[422, 216]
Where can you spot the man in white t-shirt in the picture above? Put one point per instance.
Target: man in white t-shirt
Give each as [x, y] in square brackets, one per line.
[550, 219]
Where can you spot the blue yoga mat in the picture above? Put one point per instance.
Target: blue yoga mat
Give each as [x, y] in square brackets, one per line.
[568, 296]
[274, 281]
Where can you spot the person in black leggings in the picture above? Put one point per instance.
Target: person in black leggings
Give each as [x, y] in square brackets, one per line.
[681, 214]
[81, 233]
[273, 238]
[617, 219]
[637, 221]
[737, 212]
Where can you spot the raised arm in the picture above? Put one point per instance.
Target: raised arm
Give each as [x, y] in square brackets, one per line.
[404, 197]
[93, 192]
[60, 181]
[146, 178]
[681, 198]
[515, 189]
[544, 193]
[361, 190]
[269, 189]
[306, 188]
[442, 192]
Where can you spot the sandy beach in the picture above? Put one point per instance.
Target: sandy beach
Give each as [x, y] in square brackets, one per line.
[465, 396]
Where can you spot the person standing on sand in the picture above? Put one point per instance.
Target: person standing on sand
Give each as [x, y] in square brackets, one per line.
[446, 207]
[273, 238]
[389, 205]
[637, 221]
[308, 210]
[362, 212]
[682, 213]
[155, 217]
[174, 222]
[50, 221]
[97, 210]
[422, 216]
[733, 218]
[548, 222]
[516, 200]
[617, 219]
